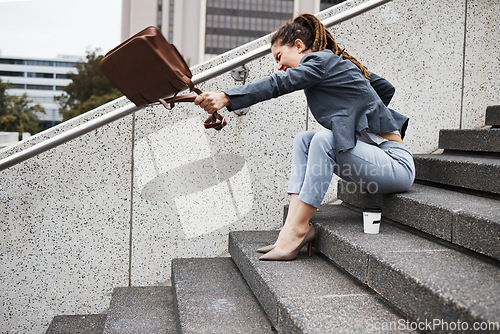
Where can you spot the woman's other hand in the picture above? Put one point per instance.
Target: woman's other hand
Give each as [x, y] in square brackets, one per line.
[211, 101]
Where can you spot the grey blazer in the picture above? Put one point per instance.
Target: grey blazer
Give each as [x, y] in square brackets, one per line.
[339, 97]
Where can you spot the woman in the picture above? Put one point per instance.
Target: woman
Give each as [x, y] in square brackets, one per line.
[361, 143]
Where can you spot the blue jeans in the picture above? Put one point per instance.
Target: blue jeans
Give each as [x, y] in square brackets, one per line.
[386, 168]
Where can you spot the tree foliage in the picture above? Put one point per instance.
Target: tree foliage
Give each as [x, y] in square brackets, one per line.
[89, 88]
[18, 113]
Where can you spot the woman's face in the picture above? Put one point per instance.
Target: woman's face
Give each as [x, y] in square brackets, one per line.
[289, 56]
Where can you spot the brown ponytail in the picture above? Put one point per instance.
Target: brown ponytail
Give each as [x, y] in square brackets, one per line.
[309, 29]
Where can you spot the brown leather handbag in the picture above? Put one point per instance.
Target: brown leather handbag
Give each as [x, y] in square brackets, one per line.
[146, 68]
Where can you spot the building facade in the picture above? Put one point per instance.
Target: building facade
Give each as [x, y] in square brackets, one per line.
[41, 79]
[201, 29]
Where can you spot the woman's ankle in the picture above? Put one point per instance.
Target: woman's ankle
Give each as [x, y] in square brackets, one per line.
[291, 235]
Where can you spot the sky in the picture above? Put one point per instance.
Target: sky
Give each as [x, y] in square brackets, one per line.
[47, 28]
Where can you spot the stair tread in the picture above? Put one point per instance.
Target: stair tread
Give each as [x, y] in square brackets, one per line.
[492, 115]
[479, 140]
[485, 130]
[469, 221]
[141, 310]
[450, 200]
[454, 201]
[212, 297]
[422, 278]
[77, 324]
[468, 171]
[461, 158]
[309, 294]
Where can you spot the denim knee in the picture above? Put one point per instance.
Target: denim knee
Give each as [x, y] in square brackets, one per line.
[302, 140]
[323, 140]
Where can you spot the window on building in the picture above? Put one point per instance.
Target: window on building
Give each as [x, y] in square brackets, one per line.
[171, 7]
[11, 74]
[39, 62]
[16, 86]
[11, 61]
[40, 87]
[34, 62]
[40, 75]
[63, 76]
[64, 64]
[230, 23]
[159, 14]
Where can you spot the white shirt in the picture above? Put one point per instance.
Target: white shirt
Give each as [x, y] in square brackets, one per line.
[372, 138]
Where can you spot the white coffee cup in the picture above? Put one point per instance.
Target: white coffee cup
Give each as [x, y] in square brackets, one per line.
[371, 219]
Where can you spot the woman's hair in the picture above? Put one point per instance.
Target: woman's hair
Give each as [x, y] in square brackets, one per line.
[309, 29]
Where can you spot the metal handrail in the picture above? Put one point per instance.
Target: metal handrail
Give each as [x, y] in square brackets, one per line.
[197, 79]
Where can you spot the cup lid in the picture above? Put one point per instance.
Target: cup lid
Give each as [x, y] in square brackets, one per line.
[372, 208]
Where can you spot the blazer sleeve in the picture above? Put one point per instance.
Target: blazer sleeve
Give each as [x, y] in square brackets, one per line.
[309, 72]
[385, 90]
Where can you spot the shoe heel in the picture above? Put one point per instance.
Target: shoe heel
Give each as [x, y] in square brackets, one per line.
[309, 248]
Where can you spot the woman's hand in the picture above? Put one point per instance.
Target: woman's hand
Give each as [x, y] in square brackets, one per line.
[211, 101]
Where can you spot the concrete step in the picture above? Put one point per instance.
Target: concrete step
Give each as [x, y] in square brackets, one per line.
[493, 116]
[474, 140]
[77, 324]
[141, 310]
[212, 297]
[466, 220]
[309, 294]
[465, 171]
[424, 280]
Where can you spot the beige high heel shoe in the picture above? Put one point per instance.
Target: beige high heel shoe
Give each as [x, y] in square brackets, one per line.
[274, 255]
[266, 249]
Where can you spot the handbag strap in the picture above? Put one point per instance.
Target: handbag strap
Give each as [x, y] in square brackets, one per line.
[170, 102]
[216, 120]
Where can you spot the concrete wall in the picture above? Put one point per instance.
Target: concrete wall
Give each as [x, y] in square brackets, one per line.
[64, 231]
[116, 205]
